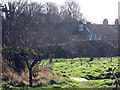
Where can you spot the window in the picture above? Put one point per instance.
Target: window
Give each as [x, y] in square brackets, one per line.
[73, 39]
[90, 37]
[54, 38]
[100, 37]
[80, 27]
[95, 37]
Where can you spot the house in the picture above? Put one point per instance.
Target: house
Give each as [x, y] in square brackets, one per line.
[85, 32]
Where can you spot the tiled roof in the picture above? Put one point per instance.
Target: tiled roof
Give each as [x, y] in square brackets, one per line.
[110, 31]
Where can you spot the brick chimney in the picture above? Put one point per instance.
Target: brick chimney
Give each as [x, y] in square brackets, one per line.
[105, 22]
[88, 23]
[116, 23]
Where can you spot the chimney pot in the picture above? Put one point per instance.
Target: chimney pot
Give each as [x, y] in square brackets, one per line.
[105, 22]
[88, 23]
[116, 21]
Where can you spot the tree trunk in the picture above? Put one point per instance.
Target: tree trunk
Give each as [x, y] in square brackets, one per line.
[30, 77]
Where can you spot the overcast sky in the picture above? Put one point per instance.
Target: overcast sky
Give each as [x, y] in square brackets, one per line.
[95, 10]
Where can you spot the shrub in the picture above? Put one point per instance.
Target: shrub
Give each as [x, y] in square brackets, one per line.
[52, 82]
[20, 84]
[39, 84]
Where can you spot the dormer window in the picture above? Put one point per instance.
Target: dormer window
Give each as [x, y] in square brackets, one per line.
[80, 28]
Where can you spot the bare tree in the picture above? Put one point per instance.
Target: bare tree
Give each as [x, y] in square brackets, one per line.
[71, 11]
[24, 32]
[52, 10]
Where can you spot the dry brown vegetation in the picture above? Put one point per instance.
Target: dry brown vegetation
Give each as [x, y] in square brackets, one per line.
[9, 75]
[42, 74]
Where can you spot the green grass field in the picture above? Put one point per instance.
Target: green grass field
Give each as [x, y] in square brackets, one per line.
[81, 67]
[99, 73]
[96, 71]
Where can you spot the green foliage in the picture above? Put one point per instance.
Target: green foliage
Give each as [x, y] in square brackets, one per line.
[53, 81]
[20, 84]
